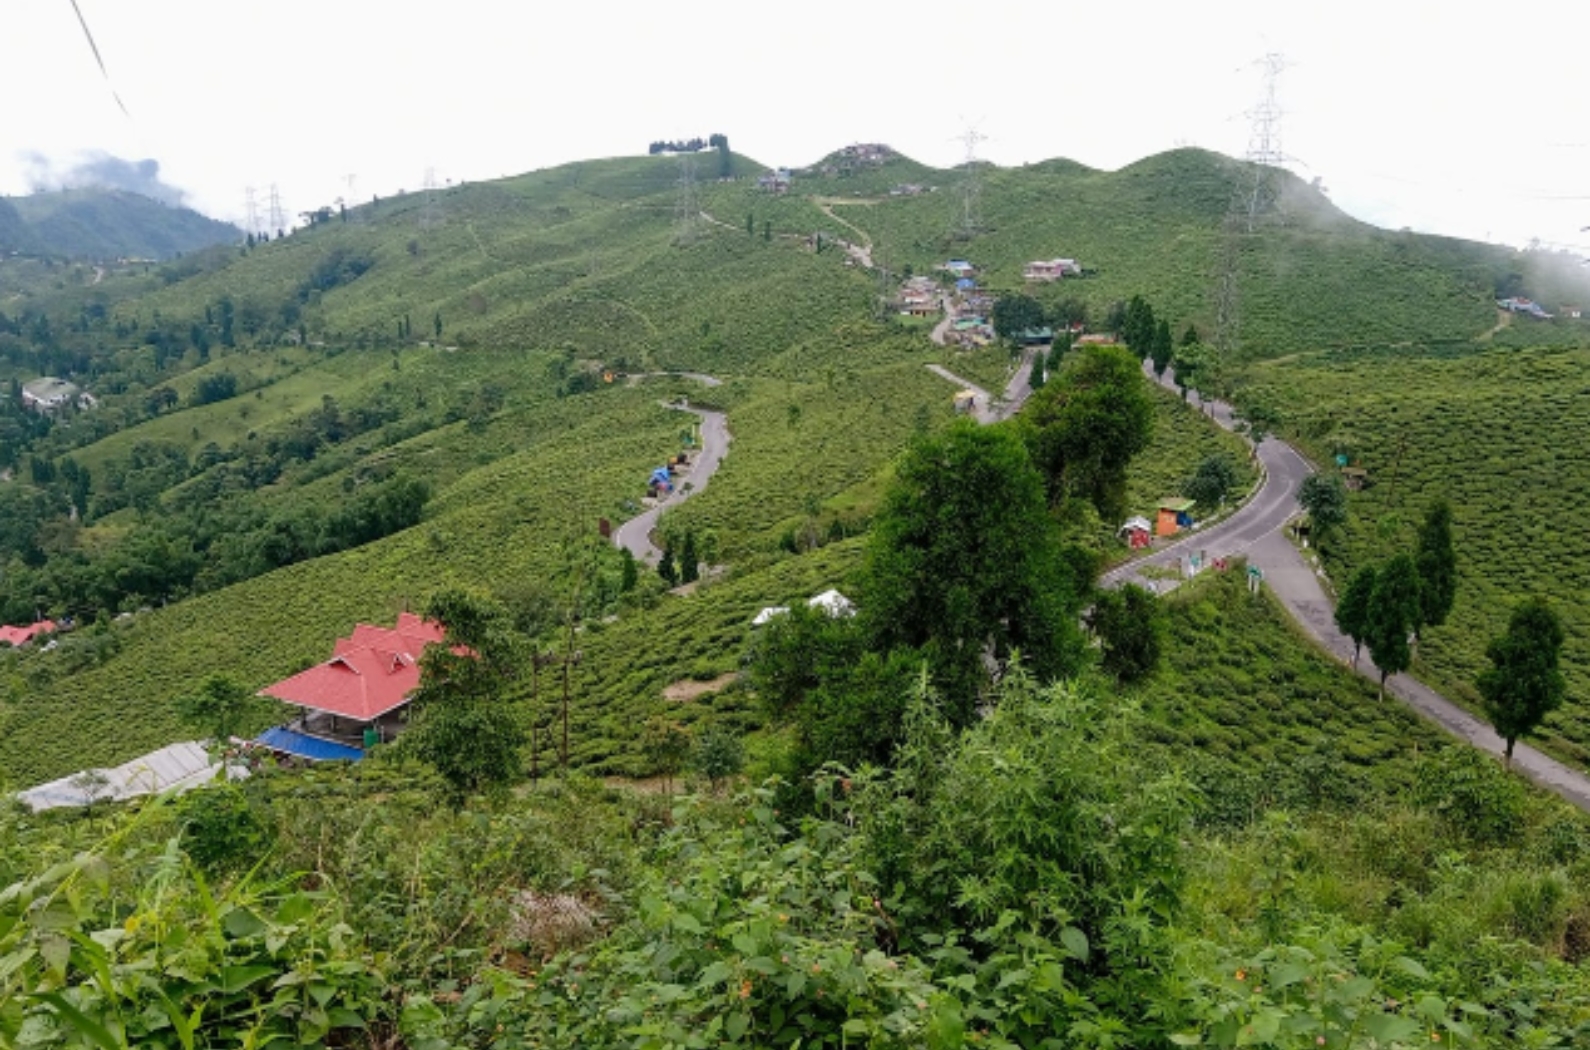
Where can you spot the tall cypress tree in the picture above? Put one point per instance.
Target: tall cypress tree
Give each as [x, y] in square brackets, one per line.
[1352, 612]
[1437, 563]
[1524, 683]
[1162, 347]
[1393, 614]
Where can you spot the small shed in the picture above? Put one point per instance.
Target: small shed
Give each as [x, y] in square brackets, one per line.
[1138, 532]
[1174, 515]
[1035, 336]
[965, 401]
[1355, 478]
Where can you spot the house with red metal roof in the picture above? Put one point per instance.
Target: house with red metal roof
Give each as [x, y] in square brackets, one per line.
[24, 635]
[356, 698]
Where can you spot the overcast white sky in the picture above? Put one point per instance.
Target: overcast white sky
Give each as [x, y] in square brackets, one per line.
[1446, 118]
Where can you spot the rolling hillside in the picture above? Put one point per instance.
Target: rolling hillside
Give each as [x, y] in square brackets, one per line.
[246, 396]
[111, 224]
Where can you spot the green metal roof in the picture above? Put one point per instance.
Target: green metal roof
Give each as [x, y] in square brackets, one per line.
[1177, 504]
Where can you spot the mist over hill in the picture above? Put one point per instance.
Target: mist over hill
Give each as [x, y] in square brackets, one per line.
[99, 223]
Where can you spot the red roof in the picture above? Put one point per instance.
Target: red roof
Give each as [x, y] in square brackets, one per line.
[24, 635]
[373, 672]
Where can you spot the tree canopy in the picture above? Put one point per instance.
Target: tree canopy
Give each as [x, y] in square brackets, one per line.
[463, 721]
[1086, 424]
[1437, 562]
[1393, 613]
[964, 560]
[1131, 626]
[1352, 612]
[1014, 314]
[1325, 499]
[1524, 683]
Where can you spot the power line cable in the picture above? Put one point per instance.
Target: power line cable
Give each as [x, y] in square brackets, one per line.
[92, 46]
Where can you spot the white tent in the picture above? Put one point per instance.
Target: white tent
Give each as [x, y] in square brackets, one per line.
[177, 766]
[833, 603]
[768, 613]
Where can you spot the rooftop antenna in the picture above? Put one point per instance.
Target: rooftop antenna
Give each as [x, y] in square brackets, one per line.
[687, 210]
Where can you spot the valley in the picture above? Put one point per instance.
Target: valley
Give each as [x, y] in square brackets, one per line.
[886, 829]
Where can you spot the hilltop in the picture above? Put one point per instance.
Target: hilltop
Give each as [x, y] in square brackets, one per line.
[106, 224]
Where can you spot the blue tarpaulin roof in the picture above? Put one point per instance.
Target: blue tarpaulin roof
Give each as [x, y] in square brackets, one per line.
[279, 738]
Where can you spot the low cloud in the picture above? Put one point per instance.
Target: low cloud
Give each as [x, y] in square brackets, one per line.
[99, 170]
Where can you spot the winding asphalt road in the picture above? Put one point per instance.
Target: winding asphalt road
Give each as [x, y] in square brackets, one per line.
[635, 534]
[1255, 530]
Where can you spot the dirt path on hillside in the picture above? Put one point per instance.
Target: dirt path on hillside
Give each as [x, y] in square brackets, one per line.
[862, 253]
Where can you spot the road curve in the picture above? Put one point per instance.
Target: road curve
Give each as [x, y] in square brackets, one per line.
[1255, 530]
[985, 407]
[634, 535]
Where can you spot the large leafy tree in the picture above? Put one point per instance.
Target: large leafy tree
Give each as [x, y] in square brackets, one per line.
[1393, 614]
[1437, 562]
[964, 562]
[1015, 313]
[1325, 499]
[1212, 481]
[1352, 612]
[1524, 683]
[464, 723]
[1086, 424]
[819, 675]
[1130, 624]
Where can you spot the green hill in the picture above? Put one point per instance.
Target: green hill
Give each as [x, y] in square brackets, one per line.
[112, 224]
[249, 400]
[1498, 433]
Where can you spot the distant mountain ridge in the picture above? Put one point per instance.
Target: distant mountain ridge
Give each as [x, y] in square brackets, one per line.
[105, 224]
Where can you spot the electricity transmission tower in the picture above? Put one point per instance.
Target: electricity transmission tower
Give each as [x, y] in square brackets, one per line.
[430, 213]
[687, 210]
[971, 217]
[1264, 139]
[278, 214]
[1251, 200]
[250, 212]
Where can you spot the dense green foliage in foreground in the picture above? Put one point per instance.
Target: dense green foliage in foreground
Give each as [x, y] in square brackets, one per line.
[1498, 434]
[1047, 878]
